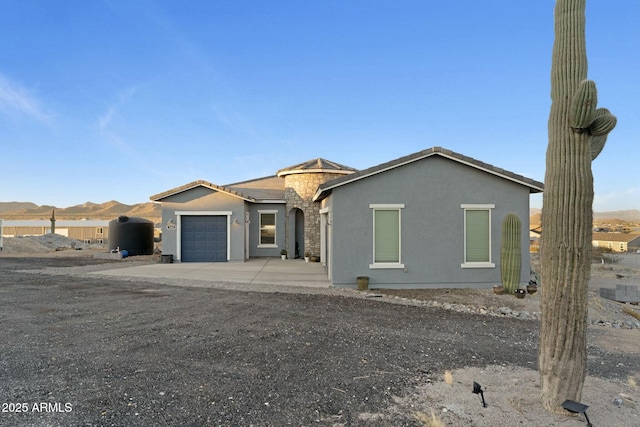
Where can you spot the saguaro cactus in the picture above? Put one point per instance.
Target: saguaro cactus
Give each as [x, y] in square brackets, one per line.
[511, 253]
[577, 134]
[53, 221]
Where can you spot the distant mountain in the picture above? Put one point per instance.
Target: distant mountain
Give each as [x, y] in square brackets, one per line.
[14, 206]
[626, 216]
[89, 210]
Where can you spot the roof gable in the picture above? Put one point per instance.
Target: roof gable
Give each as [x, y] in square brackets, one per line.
[325, 189]
[200, 183]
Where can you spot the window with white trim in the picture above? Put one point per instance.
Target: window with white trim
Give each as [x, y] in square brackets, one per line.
[477, 236]
[267, 229]
[387, 240]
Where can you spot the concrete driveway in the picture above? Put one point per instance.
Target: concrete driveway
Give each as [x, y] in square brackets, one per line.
[268, 271]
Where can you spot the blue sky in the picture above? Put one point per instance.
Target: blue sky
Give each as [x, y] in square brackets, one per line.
[120, 100]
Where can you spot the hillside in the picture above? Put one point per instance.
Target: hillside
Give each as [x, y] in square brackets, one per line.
[631, 215]
[89, 210]
[629, 219]
[14, 206]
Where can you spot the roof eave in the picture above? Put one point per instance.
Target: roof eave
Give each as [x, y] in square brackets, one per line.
[302, 171]
[320, 195]
[534, 186]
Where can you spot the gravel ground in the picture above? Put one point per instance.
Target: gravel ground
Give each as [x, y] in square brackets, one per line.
[81, 350]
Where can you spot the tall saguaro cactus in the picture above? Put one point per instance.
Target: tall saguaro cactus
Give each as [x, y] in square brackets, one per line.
[577, 133]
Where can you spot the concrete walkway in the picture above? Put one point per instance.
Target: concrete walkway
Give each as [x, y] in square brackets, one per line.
[268, 271]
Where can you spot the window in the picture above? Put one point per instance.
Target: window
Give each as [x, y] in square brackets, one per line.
[477, 236]
[386, 236]
[99, 230]
[267, 229]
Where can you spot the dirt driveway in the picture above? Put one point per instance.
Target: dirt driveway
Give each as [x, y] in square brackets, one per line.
[82, 351]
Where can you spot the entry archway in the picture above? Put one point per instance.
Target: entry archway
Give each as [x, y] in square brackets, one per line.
[296, 233]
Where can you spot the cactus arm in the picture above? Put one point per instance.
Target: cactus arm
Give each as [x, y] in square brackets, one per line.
[583, 105]
[597, 144]
[603, 124]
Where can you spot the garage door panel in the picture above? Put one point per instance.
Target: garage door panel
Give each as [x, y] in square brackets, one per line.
[204, 238]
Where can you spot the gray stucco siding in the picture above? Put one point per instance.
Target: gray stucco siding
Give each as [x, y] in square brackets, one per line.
[432, 224]
[255, 249]
[203, 201]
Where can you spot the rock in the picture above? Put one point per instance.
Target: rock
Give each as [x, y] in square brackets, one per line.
[504, 310]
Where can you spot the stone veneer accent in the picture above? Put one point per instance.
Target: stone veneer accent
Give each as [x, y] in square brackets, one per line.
[299, 189]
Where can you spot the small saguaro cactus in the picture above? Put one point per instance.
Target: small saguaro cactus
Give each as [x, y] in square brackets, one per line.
[53, 221]
[511, 253]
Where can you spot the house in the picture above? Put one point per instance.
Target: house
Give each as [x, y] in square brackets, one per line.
[429, 219]
[87, 231]
[616, 242]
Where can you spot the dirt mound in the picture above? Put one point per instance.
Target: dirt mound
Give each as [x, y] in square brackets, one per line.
[40, 244]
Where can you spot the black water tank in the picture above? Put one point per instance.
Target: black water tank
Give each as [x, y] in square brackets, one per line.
[134, 235]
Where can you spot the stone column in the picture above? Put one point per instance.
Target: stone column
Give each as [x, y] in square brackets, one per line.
[299, 190]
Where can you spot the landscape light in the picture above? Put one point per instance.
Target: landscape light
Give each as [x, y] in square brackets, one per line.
[477, 389]
[577, 408]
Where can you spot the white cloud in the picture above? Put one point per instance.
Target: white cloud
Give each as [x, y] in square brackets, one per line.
[110, 125]
[16, 100]
[236, 122]
[105, 120]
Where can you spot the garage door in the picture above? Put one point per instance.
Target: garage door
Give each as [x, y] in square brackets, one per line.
[203, 238]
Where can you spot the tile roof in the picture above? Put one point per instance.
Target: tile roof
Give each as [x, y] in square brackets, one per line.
[325, 189]
[271, 188]
[614, 237]
[261, 189]
[200, 183]
[316, 165]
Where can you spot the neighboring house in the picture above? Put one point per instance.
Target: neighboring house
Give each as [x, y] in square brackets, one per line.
[616, 242]
[88, 231]
[430, 219]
